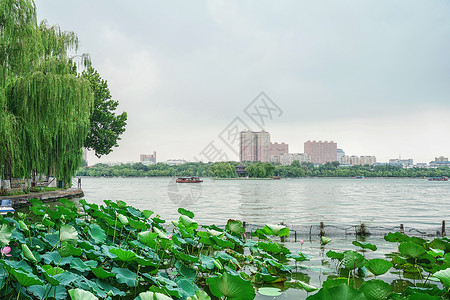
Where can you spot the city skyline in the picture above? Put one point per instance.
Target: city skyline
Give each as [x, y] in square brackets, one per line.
[374, 78]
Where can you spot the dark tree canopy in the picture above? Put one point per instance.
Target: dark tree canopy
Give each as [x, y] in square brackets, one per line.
[106, 126]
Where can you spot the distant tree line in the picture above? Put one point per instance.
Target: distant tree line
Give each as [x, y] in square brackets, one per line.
[259, 170]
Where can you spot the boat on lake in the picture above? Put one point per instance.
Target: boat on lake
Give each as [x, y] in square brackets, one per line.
[442, 178]
[6, 207]
[191, 179]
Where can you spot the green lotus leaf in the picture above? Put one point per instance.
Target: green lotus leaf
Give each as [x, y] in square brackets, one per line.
[222, 243]
[335, 255]
[207, 262]
[378, 266]
[22, 225]
[37, 211]
[365, 245]
[138, 224]
[53, 214]
[97, 233]
[123, 219]
[5, 235]
[25, 279]
[153, 296]
[340, 292]
[123, 255]
[161, 234]
[396, 237]
[410, 249]
[187, 286]
[376, 289]
[147, 213]
[231, 286]
[278, 230]
[67, 278]
[215, 232]
[306, 287]
[28, 254]
[48, 291]
[100, 273]
[148, 237]
[235, 227]
[188, 222]
[299, 257]
[37, 203]
[352, 260]
[436, 252]
[200, 295]
[186, 212]
[82, 266]
[269, 291]
[329, 283]
[324, 240]
[68, 204]
[79, 294]
[443, 276]
[52, 270]
[69, 250]
[69, 234]
[125, 276]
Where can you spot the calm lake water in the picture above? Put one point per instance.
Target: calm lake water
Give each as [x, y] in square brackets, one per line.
[417, 203]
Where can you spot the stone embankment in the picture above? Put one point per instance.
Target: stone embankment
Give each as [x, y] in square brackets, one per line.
[23, 200]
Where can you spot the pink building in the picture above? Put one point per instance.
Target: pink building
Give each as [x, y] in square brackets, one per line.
[321, 152]
[278, 149]
[254, 146]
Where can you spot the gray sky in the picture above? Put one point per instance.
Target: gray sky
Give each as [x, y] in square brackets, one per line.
[373, 76]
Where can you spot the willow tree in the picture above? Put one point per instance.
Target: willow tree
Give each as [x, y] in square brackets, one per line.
[44, 105]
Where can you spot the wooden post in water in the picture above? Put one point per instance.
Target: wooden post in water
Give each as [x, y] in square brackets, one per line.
[362, 228]
[443, 228]
[322, 229]
[402, 229]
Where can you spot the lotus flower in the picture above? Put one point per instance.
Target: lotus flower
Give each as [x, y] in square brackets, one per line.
[5, 251]
[170, 236]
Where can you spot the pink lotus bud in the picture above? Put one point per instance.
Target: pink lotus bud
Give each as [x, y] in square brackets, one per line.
[5, 251]
[302, 241]
[170, 236]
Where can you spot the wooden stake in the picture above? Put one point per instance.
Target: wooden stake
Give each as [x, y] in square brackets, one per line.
[402, 229]
[443, 228]
[322, 229]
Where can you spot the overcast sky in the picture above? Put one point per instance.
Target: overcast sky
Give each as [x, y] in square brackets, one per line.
[373, 76]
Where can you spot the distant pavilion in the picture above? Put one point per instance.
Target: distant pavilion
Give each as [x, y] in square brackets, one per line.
[240, 170]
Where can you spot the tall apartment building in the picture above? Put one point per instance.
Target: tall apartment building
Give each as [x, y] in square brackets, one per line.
[321, 152]
[278, 149]
[148, 158]
[340, 153]
[367, 160]
[254, 146]
[288, 158]
[441, 158]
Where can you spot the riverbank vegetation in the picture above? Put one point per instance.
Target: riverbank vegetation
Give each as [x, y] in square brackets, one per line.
[259, 170]
[115, 251]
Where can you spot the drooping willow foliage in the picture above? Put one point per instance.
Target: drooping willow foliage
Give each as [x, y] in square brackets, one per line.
[44, 105]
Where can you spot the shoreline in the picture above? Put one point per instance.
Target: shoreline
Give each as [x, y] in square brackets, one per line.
[23, 200]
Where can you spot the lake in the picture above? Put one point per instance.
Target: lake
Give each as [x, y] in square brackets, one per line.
[416, 203]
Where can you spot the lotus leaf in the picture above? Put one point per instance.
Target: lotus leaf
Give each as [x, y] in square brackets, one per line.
[278, 230]
[69, 250]
[188, 222]
[378, 266]
[25, 279]
[153, 296]
[335, 255]
[340, 292]
[125, 276]
[324, 240]
[48, 291]
[365, 245]
[444, 276]
[69, 234]
[5, 235]
[269, 291]
[231, 286]
[235, 227]
[410, 249]
[186, 212]
[78, 294]
[396, 237]
[306, 287]
[200, 295]
[28, 254]
[97, 233]
[352, 260]
[123, 255]
[376, 289]
[123, 219]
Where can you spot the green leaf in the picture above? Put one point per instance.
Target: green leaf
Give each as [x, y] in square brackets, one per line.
[28, 254]
[186, 212]
[5, 235]
[123, 255]
[147, 213]
[378, 266]
[100, 273]
[410, 249]
[352, 260]
[82, 266]
[97, 233]
[69, 250]
[200, 295]
[235, 227]
[79, 294]
[365, 245]
[340, 292]
[231, 286]
[269, 291]
[122, 219]
[324, 240]
[48, 291]
[396, 237]
[307, 287]
[335, 255]
[69, 234]
[188, 222]
[443, 276]
[153, 296]
[278, 230]
[376, 289]
[25, 279]
[148, 237]
[125, 276]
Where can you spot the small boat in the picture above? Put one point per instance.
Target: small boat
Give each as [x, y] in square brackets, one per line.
[6, 207]
[442, 178]
[276, 177]
[360, 177]
[191, 179]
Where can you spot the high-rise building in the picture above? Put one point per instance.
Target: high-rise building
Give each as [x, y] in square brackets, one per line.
[288, 158]
[367, 160]
[148, 158]
[254, 146]
[321, 152]
[278, 149]
[340, 153]
[441, 158]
